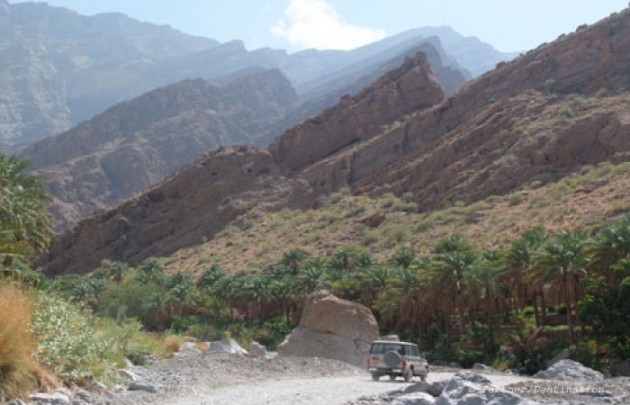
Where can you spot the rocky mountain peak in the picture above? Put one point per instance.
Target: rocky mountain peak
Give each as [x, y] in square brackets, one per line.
[354, 119]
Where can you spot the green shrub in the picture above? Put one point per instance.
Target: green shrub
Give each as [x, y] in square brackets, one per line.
[69, 344]
[528, 311]
[129, 300]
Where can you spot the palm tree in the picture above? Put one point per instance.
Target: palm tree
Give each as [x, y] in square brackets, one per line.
[210, 277]
[516, 263]
[150, 271]
[561, 262]
[293, 259]
[25, 225]
[404, 258]
[445, 278]
[484, 290]
[611, 245]
[115, 269]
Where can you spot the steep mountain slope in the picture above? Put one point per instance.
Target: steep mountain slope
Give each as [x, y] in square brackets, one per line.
[203, 198]
[520, 122]
[58, 68]
[53, 61]
[140, 142]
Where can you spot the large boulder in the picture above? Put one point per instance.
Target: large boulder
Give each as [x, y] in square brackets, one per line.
[332, 328]
[570, 370]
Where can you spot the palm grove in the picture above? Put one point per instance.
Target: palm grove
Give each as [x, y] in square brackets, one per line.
[513, 307]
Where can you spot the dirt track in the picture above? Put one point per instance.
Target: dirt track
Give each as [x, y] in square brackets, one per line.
[223, 379]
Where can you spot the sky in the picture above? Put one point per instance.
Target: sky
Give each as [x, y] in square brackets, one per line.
[508, 25]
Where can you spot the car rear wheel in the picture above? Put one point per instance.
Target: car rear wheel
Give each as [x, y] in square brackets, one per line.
[392, 377]
[375, 376]
[408, 375]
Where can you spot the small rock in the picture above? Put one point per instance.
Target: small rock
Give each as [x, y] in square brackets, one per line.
[64, 391]
[417, 398]
[570, 370]
[16, 402]
[127, 374]
[84, 395]
[434, 389]
[257, 350]
[99, 385]
[512, 371]
[55, 398]
[142, 386]
[483, 367]
[226, 346]
[189, 347]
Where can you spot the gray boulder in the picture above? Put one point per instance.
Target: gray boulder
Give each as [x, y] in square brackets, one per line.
[569, 370]
[332, 328]
[226, 346]
[467, 388]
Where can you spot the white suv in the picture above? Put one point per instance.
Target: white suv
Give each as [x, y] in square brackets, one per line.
[396, 359]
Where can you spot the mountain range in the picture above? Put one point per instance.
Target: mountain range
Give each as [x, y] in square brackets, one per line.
[59, 68]
[551, 112]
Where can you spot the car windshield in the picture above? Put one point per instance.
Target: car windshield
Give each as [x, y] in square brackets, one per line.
[381, 348]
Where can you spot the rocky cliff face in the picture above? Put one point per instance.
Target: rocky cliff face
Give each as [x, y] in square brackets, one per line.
[139, 143]
[355, 119]
[539, 117]
[353, 80]
[471, 145]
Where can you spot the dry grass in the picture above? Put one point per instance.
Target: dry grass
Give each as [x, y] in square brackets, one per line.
[594, 196]
[17, 344]
[170, 345]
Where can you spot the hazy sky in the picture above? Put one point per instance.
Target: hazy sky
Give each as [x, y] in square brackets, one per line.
[508, 25]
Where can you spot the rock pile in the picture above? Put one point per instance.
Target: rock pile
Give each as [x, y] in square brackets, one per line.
[570, 370]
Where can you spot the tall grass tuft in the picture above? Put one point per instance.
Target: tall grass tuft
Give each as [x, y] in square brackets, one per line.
[17, 344]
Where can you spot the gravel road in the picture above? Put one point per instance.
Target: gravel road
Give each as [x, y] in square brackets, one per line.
[223, 379]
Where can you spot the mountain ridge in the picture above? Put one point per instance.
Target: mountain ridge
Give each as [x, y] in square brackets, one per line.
[514, 112]
[92, 63]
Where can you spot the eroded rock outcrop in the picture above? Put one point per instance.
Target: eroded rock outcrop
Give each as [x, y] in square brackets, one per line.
[332, 328]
